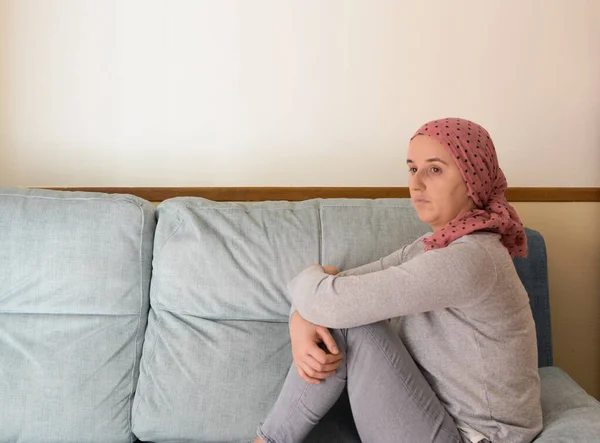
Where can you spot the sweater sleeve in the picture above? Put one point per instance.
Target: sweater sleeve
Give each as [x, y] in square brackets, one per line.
[454, 276]
[394, 259]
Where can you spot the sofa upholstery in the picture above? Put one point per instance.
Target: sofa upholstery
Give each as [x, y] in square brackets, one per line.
[94, 348]
[74, 295]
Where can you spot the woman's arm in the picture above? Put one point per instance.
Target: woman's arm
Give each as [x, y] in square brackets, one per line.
[394, 259]
[454, 276]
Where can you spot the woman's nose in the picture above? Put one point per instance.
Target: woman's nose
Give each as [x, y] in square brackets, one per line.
[416, 182]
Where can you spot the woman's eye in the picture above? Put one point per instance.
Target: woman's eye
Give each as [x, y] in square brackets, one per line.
[435, 169]
[412, 170]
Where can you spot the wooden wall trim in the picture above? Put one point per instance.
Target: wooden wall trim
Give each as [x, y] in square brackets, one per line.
[303, 193]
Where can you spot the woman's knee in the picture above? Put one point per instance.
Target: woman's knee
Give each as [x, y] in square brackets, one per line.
[380, 328]
[381, 334]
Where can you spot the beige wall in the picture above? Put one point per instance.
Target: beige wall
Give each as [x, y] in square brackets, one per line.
[291, 93]
[572, 235]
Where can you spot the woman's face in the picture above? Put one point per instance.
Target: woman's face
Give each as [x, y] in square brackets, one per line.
[437, 189]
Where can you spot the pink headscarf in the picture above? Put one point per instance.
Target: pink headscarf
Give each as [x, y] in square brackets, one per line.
[475, 155]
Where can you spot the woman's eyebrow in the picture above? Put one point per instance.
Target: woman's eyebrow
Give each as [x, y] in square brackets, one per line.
[430, 160]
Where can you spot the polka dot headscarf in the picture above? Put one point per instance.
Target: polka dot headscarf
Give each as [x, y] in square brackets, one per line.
[475, 155]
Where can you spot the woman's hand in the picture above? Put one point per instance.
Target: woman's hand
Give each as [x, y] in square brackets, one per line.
[331, 270]
[312, 363]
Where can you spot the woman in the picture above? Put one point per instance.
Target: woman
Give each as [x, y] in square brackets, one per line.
[464, 366]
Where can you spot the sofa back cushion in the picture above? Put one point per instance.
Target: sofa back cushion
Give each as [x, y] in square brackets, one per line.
[74, 284]
[217, 345]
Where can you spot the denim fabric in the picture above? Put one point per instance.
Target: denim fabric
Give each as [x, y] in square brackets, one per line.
[74, 283]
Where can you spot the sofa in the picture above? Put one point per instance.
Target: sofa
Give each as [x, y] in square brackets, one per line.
[121, 320]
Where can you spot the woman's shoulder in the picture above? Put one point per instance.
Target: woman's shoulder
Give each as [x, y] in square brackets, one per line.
[491, 242]
[476, 248]
[488, 241]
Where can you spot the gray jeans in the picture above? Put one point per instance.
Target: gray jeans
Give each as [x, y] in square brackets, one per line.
[390, 399]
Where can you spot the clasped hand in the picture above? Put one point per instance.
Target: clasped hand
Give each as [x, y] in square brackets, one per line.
[312, 362]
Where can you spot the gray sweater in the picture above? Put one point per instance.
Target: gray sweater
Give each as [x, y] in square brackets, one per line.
[464, 317]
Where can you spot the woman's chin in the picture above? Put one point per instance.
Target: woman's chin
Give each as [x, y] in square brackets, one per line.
[429, 220]
[424, 216]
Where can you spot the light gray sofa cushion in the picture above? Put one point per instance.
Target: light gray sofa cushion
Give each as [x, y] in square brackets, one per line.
[217, 346]
[74, 284]
[570, 414]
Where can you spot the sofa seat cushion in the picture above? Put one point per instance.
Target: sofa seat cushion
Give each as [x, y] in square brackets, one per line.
[74, 285]
[217, 348]
[569, 413]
